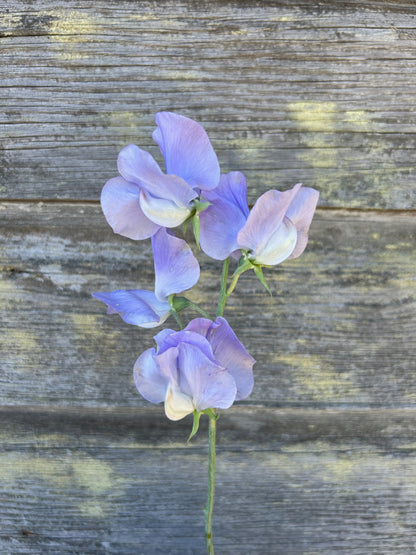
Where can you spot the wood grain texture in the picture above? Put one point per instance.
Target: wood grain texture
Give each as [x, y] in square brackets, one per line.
[288, 482]
[339, 330]
[321, 93]
[320, 459]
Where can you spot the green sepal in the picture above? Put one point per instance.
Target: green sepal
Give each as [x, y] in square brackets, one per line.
[211, 413]
[195, 426]
[244, 264]
[195, 227]
[174, 310]
[200, 206]
[259, 273]
[179, 303]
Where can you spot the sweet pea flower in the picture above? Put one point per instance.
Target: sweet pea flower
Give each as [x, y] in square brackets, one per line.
[143, 198]
[176, 269]
[275, 229]
[203, 366]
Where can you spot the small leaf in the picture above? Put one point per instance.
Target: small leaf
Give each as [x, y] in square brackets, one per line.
[259, 273]
[195, 426]
[195, 226]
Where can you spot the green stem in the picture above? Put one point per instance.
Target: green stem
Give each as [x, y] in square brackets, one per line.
[209, 508]
[223, 291]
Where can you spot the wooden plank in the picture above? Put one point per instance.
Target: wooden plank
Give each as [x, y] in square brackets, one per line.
[321, 93]
[318, 482]
[339, 330]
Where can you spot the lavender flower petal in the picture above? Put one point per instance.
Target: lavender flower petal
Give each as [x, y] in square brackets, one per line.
[176, 267]
[210, 385]
[150, 381]
[138, 166]
[300, 212]
[121, 207]
[221, 222]
[187, 150]
[228, 351]
[267, 234]
[136, 306]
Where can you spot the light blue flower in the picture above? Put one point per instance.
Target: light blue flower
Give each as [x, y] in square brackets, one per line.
[176, 270]
[276, 228]
[144, 198]
[204, 366]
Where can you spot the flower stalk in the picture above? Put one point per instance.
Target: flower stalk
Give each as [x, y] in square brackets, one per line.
[209, 507]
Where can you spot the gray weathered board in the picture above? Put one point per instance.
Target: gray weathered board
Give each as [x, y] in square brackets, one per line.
[321, 459]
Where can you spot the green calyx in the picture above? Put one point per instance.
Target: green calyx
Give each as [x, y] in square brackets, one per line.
[197, 415]
[245, 264]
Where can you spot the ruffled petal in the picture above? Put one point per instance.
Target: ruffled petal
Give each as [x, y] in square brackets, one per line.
[232, 355]
[300, 213]
[265, 227]
[176, 268]
[150, 381]
[121, 208]
[187, 150]
[211, 385]
[136, 306]
[163, 212]
[221, 222]
[184, 336]
[138, 166]
[233, 188]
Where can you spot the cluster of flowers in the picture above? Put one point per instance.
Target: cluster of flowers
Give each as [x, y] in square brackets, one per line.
[203, 366]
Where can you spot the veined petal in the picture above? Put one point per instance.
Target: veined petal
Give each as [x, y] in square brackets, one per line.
[231, 353]
[187, 150]
[264, 229]
[233, 188]
[121, 208]
[136, 306]
[138, 166]
[219, 227]
[176, 268]
[300, 213]
[221, 222]
[150, 381]
[210, 385]
[185, 336]
[165, 213]
[177, 404]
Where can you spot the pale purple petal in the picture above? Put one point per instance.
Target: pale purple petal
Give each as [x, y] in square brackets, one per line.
[266, 226]
[232, 355]
[221, 222]
[301, 212]
[161, 337]
[210, 385]
[151, 382]
[164, 212]
[176, 268]
[121, 207]
[187, 150]
[232, 187]
[136, 306]
[200, 326]
[185, 336]
[138, 166]
[302, 208]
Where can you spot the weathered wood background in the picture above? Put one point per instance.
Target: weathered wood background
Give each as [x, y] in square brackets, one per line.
[321, 458]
